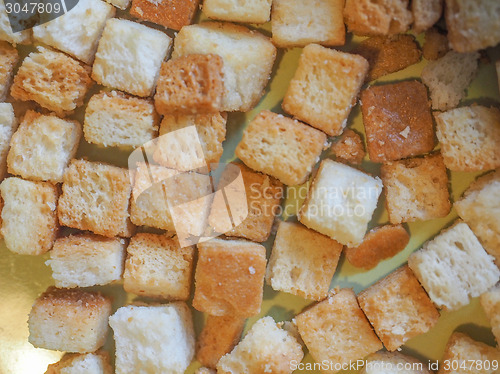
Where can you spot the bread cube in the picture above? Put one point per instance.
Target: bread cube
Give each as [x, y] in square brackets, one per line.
[205, 370]
[490, 302]
[398, 308]
[302, 261]
[325, 87]
[246, 11]
[480, 209]
[8, 60]
[265, 348]
[435, 44]
[281, 147]
[453, 267]
[42, 147]
[54, 80]
[407, 201]
[218, 337]
[393, 363]
[336, 330]
[470, 138]
[86, 260]
[117, 120]
[425, 14]
[129, 56]
[8, 125]
[229, 277]
[246, 76]
[341, 202]
[297, 23]
[120, 4]
[69, 320]
[446, 93]
[95, 197]
[173, 14]
[29, 221]
[158, 267]
[386, 17]
[398, 121]
[153, 339]
[88, 363]
[6, 32]
[349, 148]
[81, 41]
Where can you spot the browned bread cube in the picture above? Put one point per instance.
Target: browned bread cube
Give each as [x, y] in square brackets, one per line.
[435, 44]
[349, 148]
[173, 14]
[87, 363]
[8, 60]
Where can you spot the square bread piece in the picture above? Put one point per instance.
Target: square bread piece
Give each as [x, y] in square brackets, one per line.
[173, 14]
[453, 267]
[42, 147]
[425, 14]
[383, 17]
[468, 356]
[8, 125]
[392, 362]
[158, 267]
[407, 201]
[229, 277]
[398, 121]
[248, 59]
[349, 148]
[6, 33]
[398, 308]
[69, 320]
[245, 11]
[120, 4]
[281, 147]
[191, 84]
[297, 23]
[95, 197]
[435, 44]
[480, 209]
[341, 202]
[263, 195]
[88, 363]
[113, 119]
[77, 32]
[144, 334]
[470, 138]
[337, 330]
[29, 220]
[490, 301]
[266, 348]
[325, 87]
[86, 260]
[54, 80]
[218, 337]
[129, 56]
[8, 60]
[302, 261]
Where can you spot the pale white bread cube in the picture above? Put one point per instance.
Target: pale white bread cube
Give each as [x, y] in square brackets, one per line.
[129, 56]
[393, 363]
[248, 59]
[490, 302]
[88, 363]
[8, 61]
[86, 260]
[341, 202]
[425, 13]
[120, 4]
[453, 267]
[6, 33]
[153, 339]
[78, 31]
[8, 124]
[246, 11]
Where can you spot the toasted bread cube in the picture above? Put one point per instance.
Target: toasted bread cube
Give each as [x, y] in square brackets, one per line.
[464, 355]
[425, 13]
[86, 260]
[79, 42]
[6, 32]
[246, 11]
[52, 79]
[336, 330]
[173, 14]
[341, 202]
[218, 337]
[144, 334]
[158, 267]
[470, 138]
[29, 221]
[245, 77]
[453, 267]
[386, 17]
[95, 197]
[281, 147]
[480, 209]
[229, 277]
[129, 56]
[120, 4]
[8, 125]
[392, 363]
[325, 87]
[407, 201]
[379, 243]
[398, 308]
[435, 45]
[490, 302]
[88, 363]
[118, 120]
[69, 320]
[349, 148]
[8, 60]
[191, 84]
[297, 23]
[42, 147]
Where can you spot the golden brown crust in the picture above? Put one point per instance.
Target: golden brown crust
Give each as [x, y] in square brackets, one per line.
[173, 14]
[435, 45]
[349, 148]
